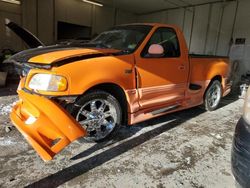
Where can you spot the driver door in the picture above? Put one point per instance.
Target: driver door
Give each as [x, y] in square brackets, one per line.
[162, 81]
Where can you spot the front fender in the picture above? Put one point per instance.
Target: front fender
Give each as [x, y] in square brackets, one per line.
[85, 74]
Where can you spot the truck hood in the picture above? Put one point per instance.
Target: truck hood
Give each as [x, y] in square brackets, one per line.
[58, 55]
[48, 56]
[70, 54]
[30, 39]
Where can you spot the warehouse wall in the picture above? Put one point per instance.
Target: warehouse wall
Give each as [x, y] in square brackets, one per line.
[242, 24]
[45, 14]
[123, 17]
[242, 30]
[45, 21]
[7, 38]
[41, 17]
[207, 28]
[99, 18]
[212, 28]
[103, 18]
[37, 17]
[106, 17]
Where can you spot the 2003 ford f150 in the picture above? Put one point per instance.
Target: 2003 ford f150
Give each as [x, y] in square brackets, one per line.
[126, 75]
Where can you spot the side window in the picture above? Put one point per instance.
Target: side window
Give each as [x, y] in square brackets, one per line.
[169, 41]
[156, 38]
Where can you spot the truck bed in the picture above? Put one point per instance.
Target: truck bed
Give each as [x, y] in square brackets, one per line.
[203, 66]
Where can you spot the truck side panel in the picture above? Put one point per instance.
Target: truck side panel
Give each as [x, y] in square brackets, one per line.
[203, 71]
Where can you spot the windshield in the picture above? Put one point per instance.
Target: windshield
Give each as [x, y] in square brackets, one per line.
[126, 38]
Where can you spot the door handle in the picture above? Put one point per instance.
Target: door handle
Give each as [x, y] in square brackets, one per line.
[181, 67]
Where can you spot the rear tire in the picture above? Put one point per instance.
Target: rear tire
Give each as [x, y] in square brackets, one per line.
[213, 96]
[99, 113]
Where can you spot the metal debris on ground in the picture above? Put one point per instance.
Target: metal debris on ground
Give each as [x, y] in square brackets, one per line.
[7, 129]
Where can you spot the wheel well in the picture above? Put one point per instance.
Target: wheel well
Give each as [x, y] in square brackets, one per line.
[118, 93]
[217, 77]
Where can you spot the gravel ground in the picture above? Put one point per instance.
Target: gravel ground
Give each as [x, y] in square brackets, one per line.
[190, 148]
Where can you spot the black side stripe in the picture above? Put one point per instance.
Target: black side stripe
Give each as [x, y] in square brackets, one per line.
[77, 58]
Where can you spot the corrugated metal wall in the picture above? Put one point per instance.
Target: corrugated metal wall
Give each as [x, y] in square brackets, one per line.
[212, 28]
[207, 28]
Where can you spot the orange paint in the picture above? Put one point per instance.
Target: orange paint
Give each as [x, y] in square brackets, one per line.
[149, 84]
[52, 124]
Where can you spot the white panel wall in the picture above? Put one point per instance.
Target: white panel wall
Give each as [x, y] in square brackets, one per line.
[160, 17]
[213, 29]
[200, 26]
[176, 17]
[103, 19]
[38, 18]
[123, 17]
[242, 30]
[242, 24]
[75, 12]
[226, 29]
[207, 28]
[45, 18]
[41, 17]
[187, 27]
[29, 15]
[99, 18]
[7, 37]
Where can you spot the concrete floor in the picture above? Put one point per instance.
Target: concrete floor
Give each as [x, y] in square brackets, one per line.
[185, 149]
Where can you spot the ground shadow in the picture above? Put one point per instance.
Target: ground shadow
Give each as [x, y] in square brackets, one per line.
[84, 166]
[175, 119]
[8, 90]
[128, 131]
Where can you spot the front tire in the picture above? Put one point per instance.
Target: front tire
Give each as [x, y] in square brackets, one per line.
[213, 96]
[99, 113]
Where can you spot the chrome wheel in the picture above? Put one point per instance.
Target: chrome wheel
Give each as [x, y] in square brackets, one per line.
[98, 117]
[213, 96]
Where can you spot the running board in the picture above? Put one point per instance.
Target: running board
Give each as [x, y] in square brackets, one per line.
[166, 109]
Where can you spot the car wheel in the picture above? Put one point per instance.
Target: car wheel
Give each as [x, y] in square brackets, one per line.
[99, 113]
[213, 96]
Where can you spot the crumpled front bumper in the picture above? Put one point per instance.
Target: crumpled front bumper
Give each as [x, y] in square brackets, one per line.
[44, 124]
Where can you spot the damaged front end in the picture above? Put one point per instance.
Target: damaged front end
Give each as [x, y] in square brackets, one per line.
[45, 91]
[44, 124]
[39, 115]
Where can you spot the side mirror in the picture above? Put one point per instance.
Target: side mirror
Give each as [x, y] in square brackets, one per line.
[156, 50]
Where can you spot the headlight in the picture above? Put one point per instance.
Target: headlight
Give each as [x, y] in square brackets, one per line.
[246, 114]
[48, 82]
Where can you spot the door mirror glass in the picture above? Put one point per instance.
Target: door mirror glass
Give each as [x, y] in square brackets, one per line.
[156, 50]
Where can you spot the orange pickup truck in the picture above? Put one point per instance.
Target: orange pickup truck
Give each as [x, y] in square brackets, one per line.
[126, 75]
